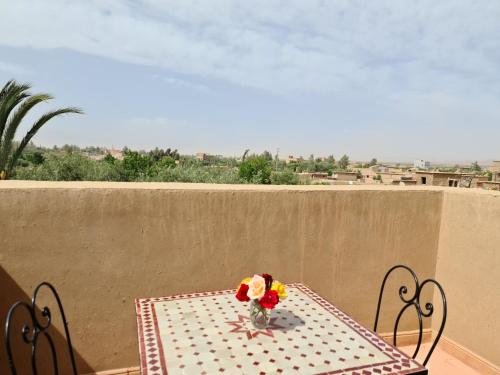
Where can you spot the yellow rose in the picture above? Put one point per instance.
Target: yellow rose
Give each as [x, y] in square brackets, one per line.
[256, 287]
[246, 280]
[280, 289]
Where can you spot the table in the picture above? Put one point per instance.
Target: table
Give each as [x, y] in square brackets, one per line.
[210, 333]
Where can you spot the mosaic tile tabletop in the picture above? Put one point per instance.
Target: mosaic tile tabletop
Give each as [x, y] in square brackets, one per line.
[210, 333]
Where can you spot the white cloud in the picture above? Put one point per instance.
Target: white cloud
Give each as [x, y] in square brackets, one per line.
[279, 46]
[183, 84]
[13, 68]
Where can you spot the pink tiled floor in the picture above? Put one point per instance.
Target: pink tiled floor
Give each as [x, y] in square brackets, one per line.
[441, 362]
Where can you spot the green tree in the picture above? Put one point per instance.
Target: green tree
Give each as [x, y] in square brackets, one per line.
[332, 162]
[68, 167]
[267, 155]
[284, 178]
[166, 162]
[35, 158]
[475, 167]
[157, 154]
[15, 103]
[135, 165]
[109, 159]
[70, 148]
[343, 162]
[255, 169]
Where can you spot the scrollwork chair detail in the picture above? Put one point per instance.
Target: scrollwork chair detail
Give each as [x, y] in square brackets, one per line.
[35, 328]
[414, 302]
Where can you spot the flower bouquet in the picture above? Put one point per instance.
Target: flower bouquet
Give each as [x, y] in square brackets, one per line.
[264, 294]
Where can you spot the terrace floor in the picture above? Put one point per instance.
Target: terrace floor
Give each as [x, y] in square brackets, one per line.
[442, 362]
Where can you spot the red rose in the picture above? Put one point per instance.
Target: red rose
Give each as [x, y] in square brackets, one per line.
[270, 299]
[269, 280]
[241, 295]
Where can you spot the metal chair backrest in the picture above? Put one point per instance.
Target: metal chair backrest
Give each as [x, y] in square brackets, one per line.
[34, 329]
[414, 301]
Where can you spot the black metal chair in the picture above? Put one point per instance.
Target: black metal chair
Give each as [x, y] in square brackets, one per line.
[417, 305]
[32, 331]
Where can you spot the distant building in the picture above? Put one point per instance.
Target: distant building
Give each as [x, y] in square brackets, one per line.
[378, 174]
[450, 179]
[117, 154]
[370, 175]
[314, 175]
[339, 178]
[404, 181]
[494, 184]
[292, 159]
[307, 177]
[489, 185]
[345, 176]
[202, 156]
[476, 181]
[495, 171]
[437, 178]
[421, 164]
[391, 177]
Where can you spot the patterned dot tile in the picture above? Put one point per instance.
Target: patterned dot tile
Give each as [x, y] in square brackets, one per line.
[211, 333]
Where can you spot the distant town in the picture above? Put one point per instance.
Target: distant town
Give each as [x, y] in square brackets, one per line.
[70, 162]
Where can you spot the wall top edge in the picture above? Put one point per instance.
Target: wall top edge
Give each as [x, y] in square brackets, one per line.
[78, 185]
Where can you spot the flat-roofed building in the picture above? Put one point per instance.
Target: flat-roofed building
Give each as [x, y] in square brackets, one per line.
[404, 181]
[495, 171]
[437, 178]
[117, 154]
[450, 179]
[201, 156]
[345, 176]
[293, 159]
[421, 164]
[306, 177]
[391, 177]
[489, 185]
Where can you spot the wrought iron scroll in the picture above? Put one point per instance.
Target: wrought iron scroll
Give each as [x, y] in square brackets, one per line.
[35, 328]
[422, 311]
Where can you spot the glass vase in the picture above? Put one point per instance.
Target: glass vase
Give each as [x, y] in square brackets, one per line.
[259, 316]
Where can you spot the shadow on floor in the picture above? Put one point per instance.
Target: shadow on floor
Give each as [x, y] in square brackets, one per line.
[10, 292]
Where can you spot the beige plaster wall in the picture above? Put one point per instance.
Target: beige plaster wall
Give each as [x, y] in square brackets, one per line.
[468, 267]
[104, 244]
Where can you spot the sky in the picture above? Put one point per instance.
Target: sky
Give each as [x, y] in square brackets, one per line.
[395, 80]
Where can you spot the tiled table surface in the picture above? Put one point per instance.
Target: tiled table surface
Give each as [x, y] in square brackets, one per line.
[210, 333]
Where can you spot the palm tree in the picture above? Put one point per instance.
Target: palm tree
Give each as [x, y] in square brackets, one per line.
[245, 154]
[15, 103]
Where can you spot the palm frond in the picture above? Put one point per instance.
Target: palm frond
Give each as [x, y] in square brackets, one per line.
[13, 123]
[34, 129]
[15, 103]
[10, 96]
[11, 83]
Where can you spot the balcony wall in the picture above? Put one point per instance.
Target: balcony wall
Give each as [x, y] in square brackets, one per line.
[468, 266]
[104, 244]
